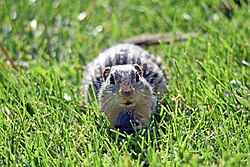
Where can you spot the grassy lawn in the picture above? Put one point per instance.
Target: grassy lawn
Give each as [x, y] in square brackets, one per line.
[202, 121]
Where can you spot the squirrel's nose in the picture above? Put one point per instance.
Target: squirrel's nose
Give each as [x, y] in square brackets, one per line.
[127, 92]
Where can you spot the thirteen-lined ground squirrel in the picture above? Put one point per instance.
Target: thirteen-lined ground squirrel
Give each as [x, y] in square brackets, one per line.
[126, 81]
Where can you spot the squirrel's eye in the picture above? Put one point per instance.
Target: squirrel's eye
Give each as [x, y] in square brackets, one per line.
[137, 77]
[112, 79]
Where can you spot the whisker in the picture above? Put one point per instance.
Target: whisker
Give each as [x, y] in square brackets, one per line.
[107, 100]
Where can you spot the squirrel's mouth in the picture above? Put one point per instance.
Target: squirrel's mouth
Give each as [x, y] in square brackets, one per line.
[128, 103]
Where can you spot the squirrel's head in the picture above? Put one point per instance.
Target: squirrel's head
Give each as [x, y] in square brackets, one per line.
[124, 89]
[123, 80]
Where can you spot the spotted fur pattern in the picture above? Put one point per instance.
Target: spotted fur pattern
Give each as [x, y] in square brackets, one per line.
[124, 54]
[124, 60]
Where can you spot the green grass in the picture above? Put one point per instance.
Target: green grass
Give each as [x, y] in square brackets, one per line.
[204, 119]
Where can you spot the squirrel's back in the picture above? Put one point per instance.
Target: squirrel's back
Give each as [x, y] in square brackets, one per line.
[122, 54]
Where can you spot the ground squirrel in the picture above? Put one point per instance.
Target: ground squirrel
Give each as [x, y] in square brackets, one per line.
[126, 81]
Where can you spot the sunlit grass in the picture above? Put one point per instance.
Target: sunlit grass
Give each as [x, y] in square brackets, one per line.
[202, 121]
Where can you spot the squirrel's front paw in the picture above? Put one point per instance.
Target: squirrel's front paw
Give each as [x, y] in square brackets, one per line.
[126, 123]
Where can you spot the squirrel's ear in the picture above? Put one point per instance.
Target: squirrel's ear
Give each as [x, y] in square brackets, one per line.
[138, 69]
[105, 73]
